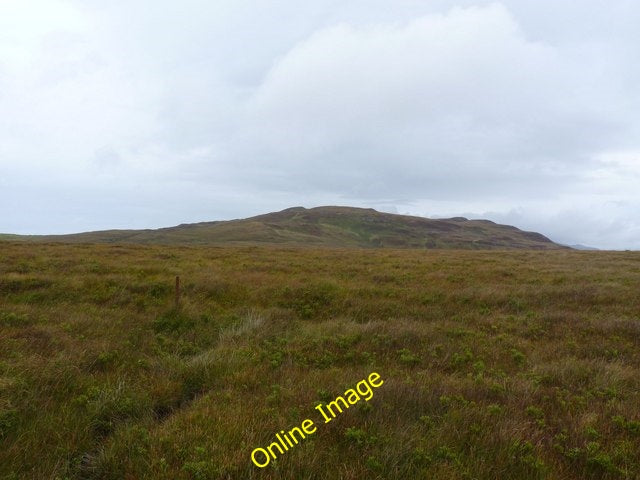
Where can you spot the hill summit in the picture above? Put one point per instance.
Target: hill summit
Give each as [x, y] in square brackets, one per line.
[329, 226]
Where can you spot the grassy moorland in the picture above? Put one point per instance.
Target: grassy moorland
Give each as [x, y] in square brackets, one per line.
[503, 364]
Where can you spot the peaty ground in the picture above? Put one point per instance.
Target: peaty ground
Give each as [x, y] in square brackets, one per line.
[511, 365]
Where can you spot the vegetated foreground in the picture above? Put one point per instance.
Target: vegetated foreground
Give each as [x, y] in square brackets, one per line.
[511, 365]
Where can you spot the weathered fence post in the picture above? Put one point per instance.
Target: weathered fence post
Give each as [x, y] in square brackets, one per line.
[177, 291]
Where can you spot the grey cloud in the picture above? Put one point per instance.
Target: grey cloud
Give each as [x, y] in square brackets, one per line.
[461, 95]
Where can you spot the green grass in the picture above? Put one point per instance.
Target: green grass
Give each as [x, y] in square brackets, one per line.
[505, 364]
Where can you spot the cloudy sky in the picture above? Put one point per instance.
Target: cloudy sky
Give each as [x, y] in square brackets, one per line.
[150, 113]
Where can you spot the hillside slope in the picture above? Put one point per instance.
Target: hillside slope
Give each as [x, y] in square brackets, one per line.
[329, 226]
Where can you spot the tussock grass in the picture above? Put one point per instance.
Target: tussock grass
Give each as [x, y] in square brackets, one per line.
[513, 364]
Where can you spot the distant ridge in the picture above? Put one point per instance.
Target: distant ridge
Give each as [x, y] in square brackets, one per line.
[326, 226]
[583, 247]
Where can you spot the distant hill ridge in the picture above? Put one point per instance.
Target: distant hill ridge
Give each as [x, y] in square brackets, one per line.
[326, 226]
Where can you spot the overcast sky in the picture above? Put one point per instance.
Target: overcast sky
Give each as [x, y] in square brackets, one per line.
[143, 114]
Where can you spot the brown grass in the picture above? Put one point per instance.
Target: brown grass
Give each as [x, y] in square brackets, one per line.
[508, 364]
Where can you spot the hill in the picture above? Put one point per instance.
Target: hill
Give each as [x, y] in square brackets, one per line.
[328, 226]
[583, 247]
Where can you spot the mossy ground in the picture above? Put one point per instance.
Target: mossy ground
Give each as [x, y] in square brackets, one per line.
[510, 365]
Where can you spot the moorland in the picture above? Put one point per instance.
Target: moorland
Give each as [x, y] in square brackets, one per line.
[511, 364]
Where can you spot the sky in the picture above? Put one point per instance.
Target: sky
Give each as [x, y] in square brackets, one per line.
[146, 114]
